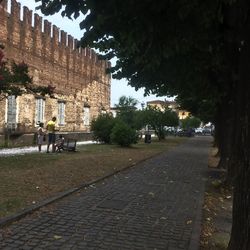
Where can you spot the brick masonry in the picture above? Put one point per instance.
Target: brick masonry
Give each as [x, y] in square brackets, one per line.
[53, 58]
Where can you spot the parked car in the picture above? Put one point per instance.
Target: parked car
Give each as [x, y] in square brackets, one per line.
[170, 130]
[186, 132]
[206, 131]
[198, 131]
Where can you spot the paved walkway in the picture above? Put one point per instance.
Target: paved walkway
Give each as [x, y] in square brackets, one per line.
[155, 205]
[31, 149]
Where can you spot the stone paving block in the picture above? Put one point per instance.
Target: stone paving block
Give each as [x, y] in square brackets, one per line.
[150, 206]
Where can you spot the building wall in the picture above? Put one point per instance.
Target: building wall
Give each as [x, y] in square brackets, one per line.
[53, 59]
[182, 114]
[161, 105]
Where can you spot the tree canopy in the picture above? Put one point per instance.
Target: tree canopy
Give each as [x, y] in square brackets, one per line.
[126, 110]
[126, 103]
[196, 49]
[168, 48]
[159, 120]
[190, 122]
[149, 37]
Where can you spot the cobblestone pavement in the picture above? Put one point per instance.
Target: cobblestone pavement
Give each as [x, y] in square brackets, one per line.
[153, 205]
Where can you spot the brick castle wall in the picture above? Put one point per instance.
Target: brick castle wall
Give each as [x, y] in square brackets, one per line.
[53, 58]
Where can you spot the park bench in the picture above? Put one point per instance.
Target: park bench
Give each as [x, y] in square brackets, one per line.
[70, 144]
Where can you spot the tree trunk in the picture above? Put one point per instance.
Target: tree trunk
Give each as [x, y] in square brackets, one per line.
[240, 234]
[224, 132]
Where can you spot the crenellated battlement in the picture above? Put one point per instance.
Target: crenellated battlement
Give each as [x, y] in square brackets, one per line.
[34, 39]
[35, 23]
[53, 58]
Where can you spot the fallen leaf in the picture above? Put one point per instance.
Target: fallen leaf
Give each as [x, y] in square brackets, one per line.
[163, 218]
[57, 237]
[221, 199]
[151, 194]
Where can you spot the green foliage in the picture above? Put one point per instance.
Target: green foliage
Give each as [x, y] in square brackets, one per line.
[204, 108]
[102, 127]
[126, 103]
[124, 123]
[127, 111]
[158, 119]
[124, 135]
[15, 79]
[139, 119]
[168, 47]
[190, 122]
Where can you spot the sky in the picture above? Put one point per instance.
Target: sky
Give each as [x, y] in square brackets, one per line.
[118, 87]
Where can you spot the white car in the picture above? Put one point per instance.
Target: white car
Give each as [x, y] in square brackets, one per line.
[198, 130]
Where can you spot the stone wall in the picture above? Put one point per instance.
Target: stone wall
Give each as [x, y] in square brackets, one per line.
[19, 140]
[53, 59]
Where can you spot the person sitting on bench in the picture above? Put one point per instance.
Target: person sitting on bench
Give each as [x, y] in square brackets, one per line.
[59, 143]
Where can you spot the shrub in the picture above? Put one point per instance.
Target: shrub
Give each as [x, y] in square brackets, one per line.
[102, 127]
[123, 134]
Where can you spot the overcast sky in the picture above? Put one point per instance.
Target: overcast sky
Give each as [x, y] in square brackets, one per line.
[118, 88]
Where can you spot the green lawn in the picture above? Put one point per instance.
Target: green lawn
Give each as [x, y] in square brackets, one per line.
[27, 179]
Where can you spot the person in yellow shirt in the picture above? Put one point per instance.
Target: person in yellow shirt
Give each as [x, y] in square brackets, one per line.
[51, 128]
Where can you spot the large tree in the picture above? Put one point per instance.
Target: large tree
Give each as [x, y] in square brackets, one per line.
[159, 120]
[191, 48]
[126, 110]
[190, 122]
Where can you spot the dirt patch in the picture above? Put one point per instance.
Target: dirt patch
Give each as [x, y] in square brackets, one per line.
[217, 208]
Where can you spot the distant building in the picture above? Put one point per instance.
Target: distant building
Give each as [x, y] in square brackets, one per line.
[162, 105]
[183, 114]
[113, 111]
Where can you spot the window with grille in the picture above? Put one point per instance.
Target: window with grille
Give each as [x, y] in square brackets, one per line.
[61, 113]
[86, 116]
[11, 112]
[40, 107]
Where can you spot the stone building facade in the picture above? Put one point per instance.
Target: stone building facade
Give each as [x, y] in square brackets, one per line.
[82, 87]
